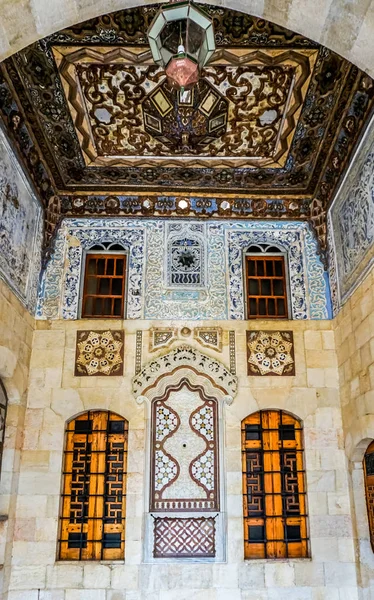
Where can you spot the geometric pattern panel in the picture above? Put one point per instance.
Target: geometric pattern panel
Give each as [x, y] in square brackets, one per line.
[209, 337]
[161, 337]
[184, 463]
[184, 537]
[99, 353]
[270, 353]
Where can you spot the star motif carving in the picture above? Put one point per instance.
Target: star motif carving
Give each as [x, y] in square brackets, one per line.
[270, 353]
[99, 353]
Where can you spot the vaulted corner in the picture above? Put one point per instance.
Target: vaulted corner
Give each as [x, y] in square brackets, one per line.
[186, 301]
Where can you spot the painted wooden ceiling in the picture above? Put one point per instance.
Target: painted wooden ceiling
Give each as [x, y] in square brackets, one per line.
[267, 131]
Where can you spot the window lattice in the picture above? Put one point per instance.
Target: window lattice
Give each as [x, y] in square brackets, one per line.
[94, 488]
[104, 286]
[266, 287]
[369, 487]
[274, 495]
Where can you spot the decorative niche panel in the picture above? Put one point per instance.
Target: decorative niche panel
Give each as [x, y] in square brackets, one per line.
[184, 466]
[186, 256]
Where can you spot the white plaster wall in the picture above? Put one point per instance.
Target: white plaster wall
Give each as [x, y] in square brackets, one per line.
[55, 395]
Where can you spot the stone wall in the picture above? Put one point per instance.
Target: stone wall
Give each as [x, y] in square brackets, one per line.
[16, 331]
[56, 395]
[354, 330]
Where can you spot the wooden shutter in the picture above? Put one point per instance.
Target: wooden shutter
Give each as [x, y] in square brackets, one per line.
[104, 286]
[369, 489]
[274, 495]
[94, 488]
[266, 287]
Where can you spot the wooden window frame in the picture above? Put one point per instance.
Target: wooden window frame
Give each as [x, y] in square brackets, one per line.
[266, 254]
[369, 493]
[103, 252]
[93, 492]
[274, 486]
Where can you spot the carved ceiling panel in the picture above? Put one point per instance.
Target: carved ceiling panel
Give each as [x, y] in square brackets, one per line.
[272, 123]
[243, 111]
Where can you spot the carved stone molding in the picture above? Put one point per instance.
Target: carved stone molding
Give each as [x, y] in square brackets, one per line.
[209, 337]
[188, 362]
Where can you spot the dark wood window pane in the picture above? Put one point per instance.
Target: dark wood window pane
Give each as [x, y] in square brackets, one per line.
[271, 307]
[253, 306]
[279, 268]
[262, 306]
[119, 267]
[117, 287]
[278, 287]
[254, 288]
[104, 286]
[269, 268]
[265, 287]
[266, 290]
[117, 307]
[91, 287]
[91, 268]
[101, 266]
[110, 266]
[281, 307]
[260, 268]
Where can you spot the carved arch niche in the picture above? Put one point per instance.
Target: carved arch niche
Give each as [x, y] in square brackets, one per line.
[185, 392]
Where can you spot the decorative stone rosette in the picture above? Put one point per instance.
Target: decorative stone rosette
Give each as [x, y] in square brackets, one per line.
[99, 353]
[270, 353]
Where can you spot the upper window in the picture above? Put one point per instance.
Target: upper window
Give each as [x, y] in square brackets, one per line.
[369, 487]
[274, 495]
[94, 488]
[266, 283]
[104, 282]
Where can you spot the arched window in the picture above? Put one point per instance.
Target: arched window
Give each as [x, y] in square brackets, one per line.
[369, 488]
[3, 408]
[274, 494]
[104, 286]
[266, 282]
[92, 525]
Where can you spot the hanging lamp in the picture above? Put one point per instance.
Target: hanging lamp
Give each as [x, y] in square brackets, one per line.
[181, 38]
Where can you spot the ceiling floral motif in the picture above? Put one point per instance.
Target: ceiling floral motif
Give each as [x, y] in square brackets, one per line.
[270, 125]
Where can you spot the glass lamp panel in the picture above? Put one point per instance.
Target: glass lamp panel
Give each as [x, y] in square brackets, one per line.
[195, 39]
[199, 18]
[166, 56]
[157, 57]
[172, 34]
[176, 13]
[209, 36]
[157, 25]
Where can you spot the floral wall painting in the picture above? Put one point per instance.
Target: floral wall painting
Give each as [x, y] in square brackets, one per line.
[21, 227]
[351, 223]
[183, 270]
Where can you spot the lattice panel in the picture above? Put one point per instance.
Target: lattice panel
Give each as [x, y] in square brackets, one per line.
[274, 495]
[94, 488]
[184, 537]
[184, 474]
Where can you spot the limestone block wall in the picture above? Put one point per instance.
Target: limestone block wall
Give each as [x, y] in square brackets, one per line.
[355, 353]
[55, 395]
[16, 330]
